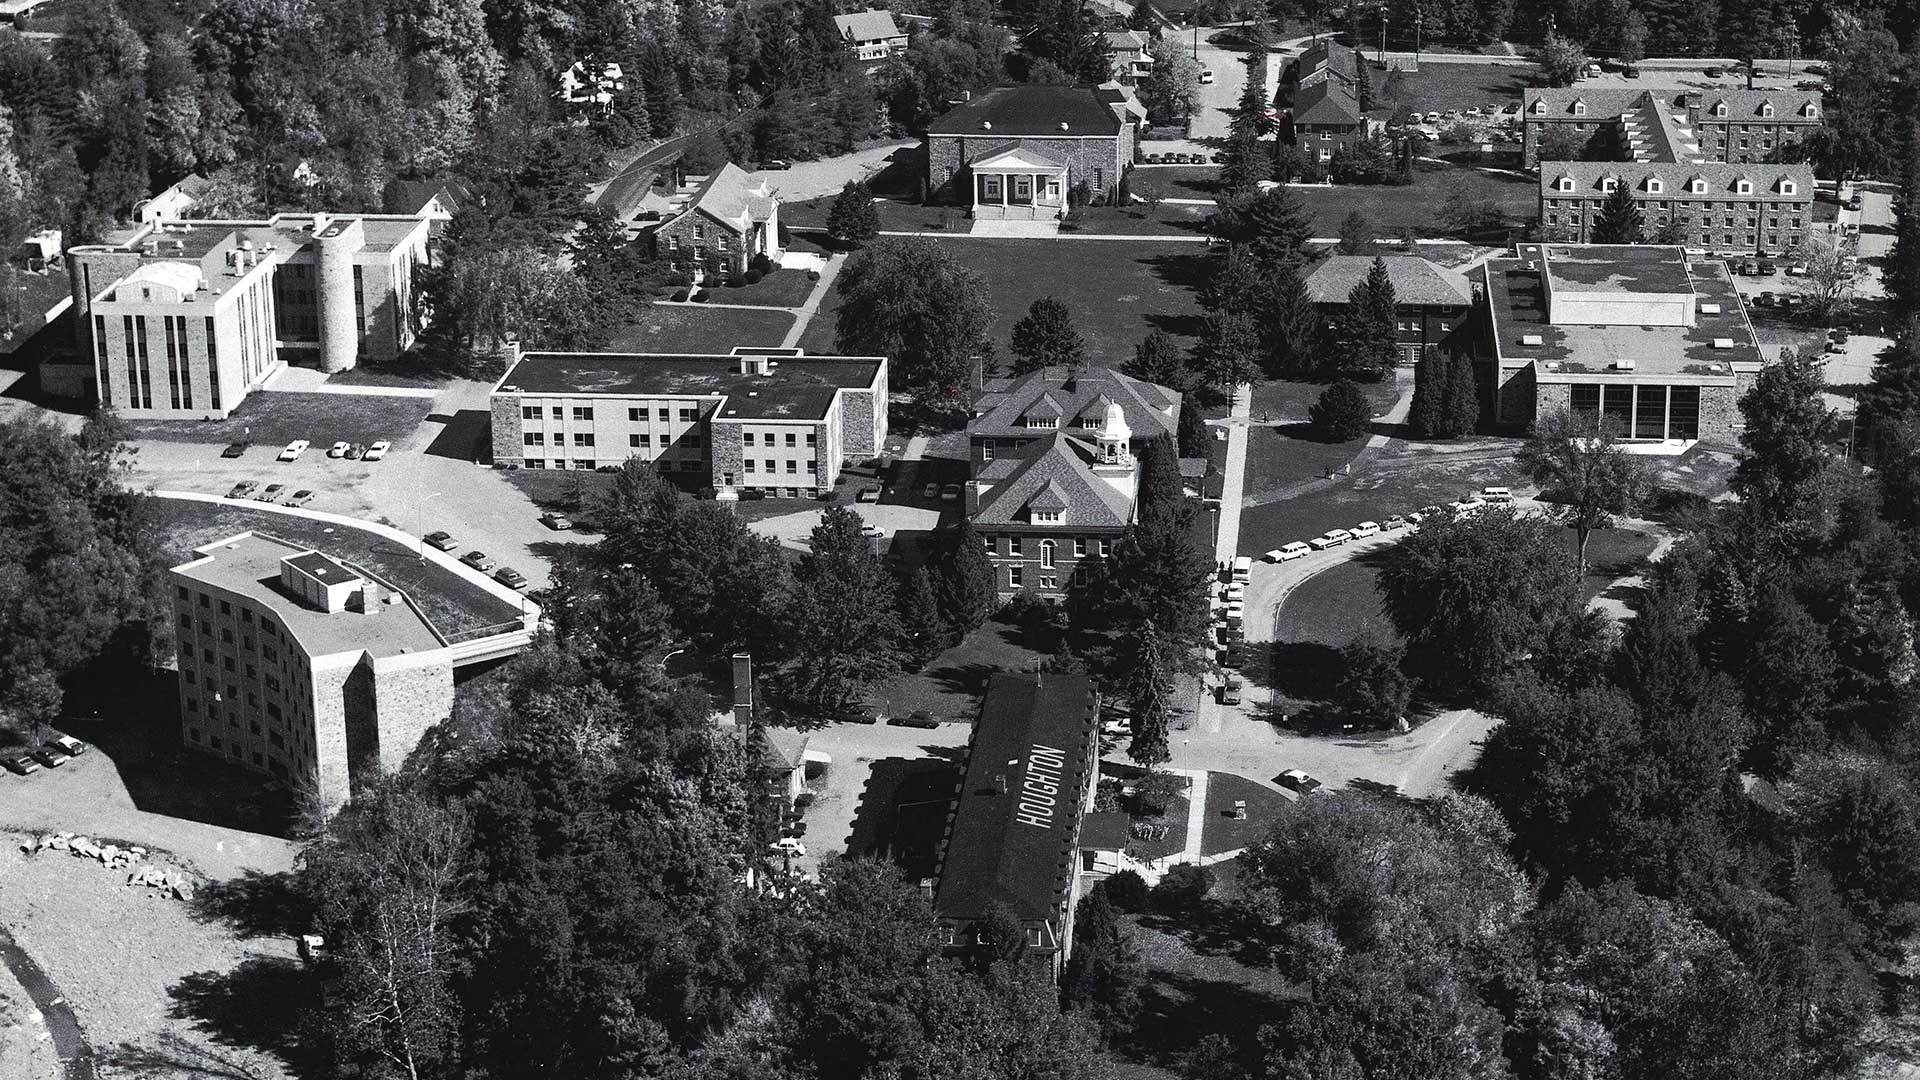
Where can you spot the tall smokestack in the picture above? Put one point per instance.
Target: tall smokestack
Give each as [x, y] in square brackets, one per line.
[742, 688]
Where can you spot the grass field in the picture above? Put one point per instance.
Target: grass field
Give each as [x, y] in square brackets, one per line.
[782, 288]
[952, 685]
[1118, 290]
[270, 418]
[452, 603]
[699, 329]
[1222, 832]
[1439, 87]
[1390, 210]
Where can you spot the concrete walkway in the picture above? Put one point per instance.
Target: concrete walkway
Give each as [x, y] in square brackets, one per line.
[69, 1041]
[803, 315]
[1196, 814]
[300, 380]
[1226, 542]
[939, 234]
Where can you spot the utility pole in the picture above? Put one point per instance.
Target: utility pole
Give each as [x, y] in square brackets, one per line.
[1383, 37]
[1416, 41]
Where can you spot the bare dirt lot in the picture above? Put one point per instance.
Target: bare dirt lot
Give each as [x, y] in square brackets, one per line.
[26, 1051]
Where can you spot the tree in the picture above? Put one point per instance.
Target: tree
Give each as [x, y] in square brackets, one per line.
[1901, 273]
[1473, 594]
[923, 630]
[1463, 395]
[853, 221]
[486, 295]
[1104, 975]
[1229, 351]
[1560, 142]
[1172, 88]
[1147, 664]
[909, 299]
[1368, 326]
[1827, 286]
[1279, 228]
[1342, 413]
[1372, 686]
[1620, 220]
[1045, 337]
[1356, 234]
[1785, 440]
[966, 585]
[1788, 682]
[1245, 163]
[1193, 432]
[843, 628]
[1893, 397]
[1158, 359]
[1290, 325]
[1363, 85]
[1630, 44]
[1561, 61]
[1428, 415]
[1585, 472]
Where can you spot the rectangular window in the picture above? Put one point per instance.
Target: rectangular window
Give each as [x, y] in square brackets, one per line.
[1079, 547]
[555, 412]
[792, 467]
[583, 412]
[1013, 545]
[1013, 575]
[639, 440]
[771, 466]
[636, 415]
[746, 439]
[663, 416]
[749, 465]
[583, 463]
[1683, 407]
[359, 304]
[583, 438]
[529, 412]
[688, 415]
[1106, 548]
[692, 441]
[811, 438]
[533, 438]
[791, 439]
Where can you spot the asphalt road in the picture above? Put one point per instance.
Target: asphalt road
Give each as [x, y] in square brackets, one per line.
[76, 1054]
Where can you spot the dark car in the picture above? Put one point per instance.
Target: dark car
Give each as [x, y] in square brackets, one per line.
[1765, 299]
[1768, 267]
[555, 522]
[356, 452]
[270, 492]
[235, 449]
[919, 718]
[1298, 781]
[441, 539]
[855, 713]
[1750, 268]
[1838, 335]
[1714, 73]
[22, 765]
[478, 560]
[242, 489]
[511, 578]
[52, 759]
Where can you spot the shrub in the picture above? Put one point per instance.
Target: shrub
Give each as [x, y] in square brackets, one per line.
[1029, 612]
[1154, 794]
[701, 296]
[1183, 888]
[1342, 412]
[762, 264]
[1126, 891]
[754, 276]
[813, 275]
[803, 800]
[1106, 796]
[681, 295]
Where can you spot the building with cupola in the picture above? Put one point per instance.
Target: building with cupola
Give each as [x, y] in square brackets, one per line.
[1054, 460]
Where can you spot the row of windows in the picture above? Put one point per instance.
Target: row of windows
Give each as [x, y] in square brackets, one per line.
[1655, 186]
[585, 438]
[235, 751]
[1015, 544]
[746, 438]
[1706, 222]
[688, 413]
[791, 466]
[1677, 204]
[589, 464]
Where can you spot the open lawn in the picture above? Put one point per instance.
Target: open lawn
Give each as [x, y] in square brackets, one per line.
[1440, 87]
[697, 328]
[782, 288]
[1288, 451]
[271, 418]
[453, 604]
[384, 375]
[1118, 290]
[1417, 205]
[951, 686]
[1224, 833]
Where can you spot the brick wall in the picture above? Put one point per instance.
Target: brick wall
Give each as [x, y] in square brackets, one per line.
[507, 431]
[1720, 419]
[860, 414]
[727, 454]
[412, 693]
[1031, 558]
[735, 257]
[1515, 396]
[947, 156]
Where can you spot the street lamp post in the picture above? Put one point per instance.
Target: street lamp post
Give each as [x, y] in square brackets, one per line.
[1416, 41]
[1383, 37]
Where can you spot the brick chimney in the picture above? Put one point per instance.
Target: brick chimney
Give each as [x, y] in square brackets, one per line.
[742, 689]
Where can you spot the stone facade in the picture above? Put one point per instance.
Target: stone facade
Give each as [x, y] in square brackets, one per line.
[1720, 419]
[1099, 160]
[863, 420]
[1547, 398]
[728, 455]
[507, 432]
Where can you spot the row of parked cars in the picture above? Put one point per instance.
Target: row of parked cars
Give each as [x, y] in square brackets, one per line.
[1176, 159]
[272, 493]
[52, 754]
[441, 540]
[293, 450]
[1472, 503]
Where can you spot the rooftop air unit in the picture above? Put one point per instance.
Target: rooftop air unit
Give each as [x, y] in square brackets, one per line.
[1709, 309]
[1532, 339]
[1623, 364]
[1723, 343]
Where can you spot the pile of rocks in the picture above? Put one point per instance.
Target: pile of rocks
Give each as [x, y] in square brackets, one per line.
[170, 881]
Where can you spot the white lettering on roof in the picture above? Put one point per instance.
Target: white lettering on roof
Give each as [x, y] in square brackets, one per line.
[1038, 786]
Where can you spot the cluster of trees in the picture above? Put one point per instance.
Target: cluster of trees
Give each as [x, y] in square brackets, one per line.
[80, 566]
[824, 628]
[1446, 397]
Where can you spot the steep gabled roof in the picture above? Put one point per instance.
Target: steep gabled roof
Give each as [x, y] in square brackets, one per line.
[1722, 177]
[1150, 409]
[1062, 472]
[867, 26]
[1415, 280]
[1329, 102]
[1031, 110]
[730, 197]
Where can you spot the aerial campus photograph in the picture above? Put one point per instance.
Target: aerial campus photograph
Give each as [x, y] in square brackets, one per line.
[959, 539]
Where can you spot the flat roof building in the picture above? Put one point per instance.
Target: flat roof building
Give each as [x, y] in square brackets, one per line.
[1013, 836]
[300, 665]
[768, 419]
[185, 319]
[1647, 336]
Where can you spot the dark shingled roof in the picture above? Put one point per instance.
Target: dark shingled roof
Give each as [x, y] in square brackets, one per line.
[1328, 102]
[1012, 846]
[1030, 110]
[1058, 476]
[1150, 409]
[1343, 61]
[1415, 280]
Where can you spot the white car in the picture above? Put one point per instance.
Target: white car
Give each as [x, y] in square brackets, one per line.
[1366, 528]
[1295, 550]
[1234, 592]
[1206, 75]
[1118, 729]
[1496, 495]
[1339, 536]
[1236, 611]
[294, 450]
[1472, 504]
[339, 449]
[1322, 542]
[377, 450]
[790, 846]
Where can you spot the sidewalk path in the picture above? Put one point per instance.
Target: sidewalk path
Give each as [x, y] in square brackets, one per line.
[1233, 481]
[299, 380]
[1196, 814]
[803, 316]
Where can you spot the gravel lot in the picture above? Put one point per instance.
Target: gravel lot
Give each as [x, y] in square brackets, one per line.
[158, 990]
[26, 1051]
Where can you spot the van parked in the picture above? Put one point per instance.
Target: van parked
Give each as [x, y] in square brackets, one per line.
[1496, 494]
[1243, 569]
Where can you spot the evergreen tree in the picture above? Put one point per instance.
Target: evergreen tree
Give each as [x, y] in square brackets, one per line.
[1788, 425]
[1229, 351]
[923, 632]
[1428, 415]
[841, 621]
[1789, 676]
[1893, 397]
[1372, 687]
[1463, 396]
[1342, 413]
[1368, 328]
[1280, 228]
[1290, 326]
[1045, 337]
[1902, 271]
[1244, 164]
[1620, 220]
[1158, 359]
[1193, 431]
[1356, 234]
[853, 221]
[1363, 85]
[1147, 663]
[966, 587]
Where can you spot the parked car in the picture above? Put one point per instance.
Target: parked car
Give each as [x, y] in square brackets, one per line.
[1299, 781]
[1750, 268]
[511, 578]
[856, 712]
[300, 498]
[1496, 494]
[555, 522]
[1393, 523]
[294, 449]
[1768, 267]
[1470, 505]
[930, 491]
[919, 718]
[1206, 75]
[242, 489]
[950, 493]
[270, 492]
[789, 846]
[1322, 542]
[1366, 528]
[52, 759]
[867, 494]
[378, 450]
[478, 560]
[1230, 691]
[441, 539]
[22, 765]
[1117, 729]
[1339, 536]
[234, 450]
[1854, 203]
[1837, 335]
[1284, 552]
[339, 449]
[68, 745]
[871, 531]
[1425, 512]
[776, 165]
[1714, 72]
[1765, 299]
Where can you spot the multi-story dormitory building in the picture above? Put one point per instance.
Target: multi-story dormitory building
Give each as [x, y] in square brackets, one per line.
[1695, 160]
[773, 420]
[185, 319]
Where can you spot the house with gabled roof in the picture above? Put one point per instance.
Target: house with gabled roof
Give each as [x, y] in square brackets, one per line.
[729, 220]
[1431, 303]
[1015, 152]
[872, 35]
[1127, 55]
[1054, 465]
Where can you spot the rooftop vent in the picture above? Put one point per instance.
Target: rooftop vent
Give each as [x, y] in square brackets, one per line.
[1063, 125]
[986, 125]
[1709, 309]
[1723, 343]
[1532, 339]
[1624, 364]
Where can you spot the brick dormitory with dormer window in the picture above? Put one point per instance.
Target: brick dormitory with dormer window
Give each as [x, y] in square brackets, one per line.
[769, 420]
[1054, 461]
[1734, 126]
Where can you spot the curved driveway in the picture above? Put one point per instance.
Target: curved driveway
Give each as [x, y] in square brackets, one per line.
[76, 1054]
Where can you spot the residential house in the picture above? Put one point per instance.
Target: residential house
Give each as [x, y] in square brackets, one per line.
[1432, 303]
[725, 224]
[173, 203]
[1017, 151]
[872, 35]
[1054, 465]
[1652, 338]
[431, 199]
[1127, 54]
[770, 420]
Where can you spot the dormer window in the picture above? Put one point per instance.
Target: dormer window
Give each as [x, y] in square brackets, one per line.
[1090, 422]
[1047, 517]
[1743, 187]
[1579, 108]
[1042, 422]
[1766, 108]
[1719, 108]
[1539, 106]
[1787, 187]
[1697, 186]
[1608, 183]
[1810, 110]
[1565, 183]
[1654, 186]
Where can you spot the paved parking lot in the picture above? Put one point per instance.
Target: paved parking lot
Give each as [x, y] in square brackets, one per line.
[855, 800]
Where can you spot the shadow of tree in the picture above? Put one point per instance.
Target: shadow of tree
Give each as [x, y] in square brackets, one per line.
[970, 679]
[255, 905]
[268, 1005]
[170, 1056]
